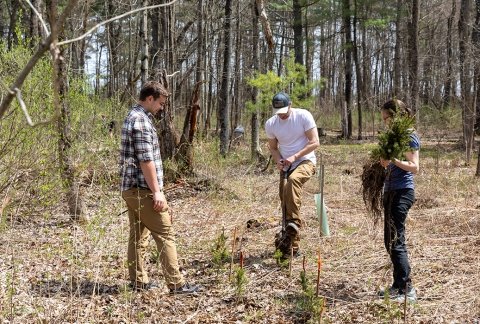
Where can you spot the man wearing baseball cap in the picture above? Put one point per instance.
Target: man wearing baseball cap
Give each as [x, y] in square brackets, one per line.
[292, 140]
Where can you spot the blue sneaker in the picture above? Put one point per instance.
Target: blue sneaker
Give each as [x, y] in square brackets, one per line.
[141, 286]
[186, 288]
[411, 297]
[391, 292]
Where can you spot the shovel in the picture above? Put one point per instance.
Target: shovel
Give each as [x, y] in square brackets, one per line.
[320, 205]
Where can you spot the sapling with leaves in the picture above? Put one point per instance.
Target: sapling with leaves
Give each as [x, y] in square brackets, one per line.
[393, 143]
[220, 253]
[241, 279]
[310, 303]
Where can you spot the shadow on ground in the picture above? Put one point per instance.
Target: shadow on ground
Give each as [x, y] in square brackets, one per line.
[84, 288]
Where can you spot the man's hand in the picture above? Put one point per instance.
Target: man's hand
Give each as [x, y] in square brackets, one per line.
[159, 201]
[280, 164]
[289, 161]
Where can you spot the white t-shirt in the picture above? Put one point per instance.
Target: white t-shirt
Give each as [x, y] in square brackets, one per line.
[290, 133]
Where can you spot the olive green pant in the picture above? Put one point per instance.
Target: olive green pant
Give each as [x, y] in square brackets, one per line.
[144, 220]
[290, 192]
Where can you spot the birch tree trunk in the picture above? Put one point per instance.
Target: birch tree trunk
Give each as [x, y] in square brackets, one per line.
[447, 85]
[464, 32]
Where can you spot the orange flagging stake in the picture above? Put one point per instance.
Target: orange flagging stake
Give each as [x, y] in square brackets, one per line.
[319, 268]
[233, 250]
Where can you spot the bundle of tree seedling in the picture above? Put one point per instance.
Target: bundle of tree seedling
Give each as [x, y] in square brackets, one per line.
[393, 143]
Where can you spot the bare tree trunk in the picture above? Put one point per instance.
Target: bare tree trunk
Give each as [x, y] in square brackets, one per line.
[168, 24]
[12, 34]
[298, 31]
[398, 44]
[310, 42]
[224, 99]
[201, 53]
[467, 104]
[282, 45]
[78, 49]
[447, 85]
[113, 40]
[236, 113]
[83, 43]
[3, 6]
[144, 40]
[426, 90]
[347, 27]
[478, 164]
[255, 149]
[200, 43]
[413, 57]
[155, 53]
[366, 81]
[165, 126]
[34, 23]
[476, 53]
[210, 101]
[358, 73]
[76, 206]
[184, 157]
[98, 65]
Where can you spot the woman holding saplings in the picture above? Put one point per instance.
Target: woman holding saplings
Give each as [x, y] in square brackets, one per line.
[398, 197]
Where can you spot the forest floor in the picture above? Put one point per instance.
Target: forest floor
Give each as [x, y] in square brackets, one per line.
[56, 271]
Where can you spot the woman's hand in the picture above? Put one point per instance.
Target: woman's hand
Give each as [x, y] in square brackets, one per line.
[384, 163]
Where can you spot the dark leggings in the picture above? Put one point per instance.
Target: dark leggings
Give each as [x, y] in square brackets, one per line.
[396, 204]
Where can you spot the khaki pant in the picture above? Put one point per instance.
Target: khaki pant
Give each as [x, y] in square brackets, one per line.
[290, 193]
[143, 220]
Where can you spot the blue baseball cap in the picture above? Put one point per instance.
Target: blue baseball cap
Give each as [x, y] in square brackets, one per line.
[280, 103]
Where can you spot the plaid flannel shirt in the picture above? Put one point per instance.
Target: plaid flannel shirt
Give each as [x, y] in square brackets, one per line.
[139, 144]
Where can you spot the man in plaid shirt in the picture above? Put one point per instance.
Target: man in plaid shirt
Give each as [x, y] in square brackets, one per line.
[142, 189]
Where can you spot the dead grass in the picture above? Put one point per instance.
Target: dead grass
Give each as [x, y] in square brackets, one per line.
[54, 271]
